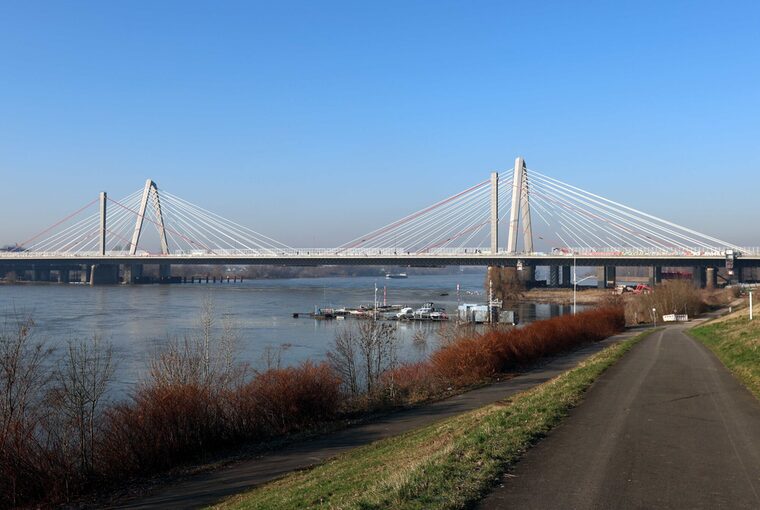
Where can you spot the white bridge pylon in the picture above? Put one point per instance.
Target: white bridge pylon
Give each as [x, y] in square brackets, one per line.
[551, 218]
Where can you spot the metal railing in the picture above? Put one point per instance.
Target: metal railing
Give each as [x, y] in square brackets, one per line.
[394, 252]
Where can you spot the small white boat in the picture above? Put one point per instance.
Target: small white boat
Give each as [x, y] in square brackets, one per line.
[388, 276]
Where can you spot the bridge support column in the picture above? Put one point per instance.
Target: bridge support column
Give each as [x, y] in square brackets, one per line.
[711, 278]
[740, 274]
[41, 274]
[64, 276]
[567, 280]
[605, 277]
[527, 275]
[164, 271]
[655, 275]
[698, 276]
[131, 273]
[84, 273]
[553, 276]
[104, 274]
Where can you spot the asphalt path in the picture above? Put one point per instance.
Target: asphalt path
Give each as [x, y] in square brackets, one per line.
[668, 426]
[210, 487]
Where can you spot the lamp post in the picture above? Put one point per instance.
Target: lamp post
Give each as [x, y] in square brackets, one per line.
[654, 317]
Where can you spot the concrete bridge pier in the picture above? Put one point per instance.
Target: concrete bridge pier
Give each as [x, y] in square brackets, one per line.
[84, 273]
[131, 273]
[553, 276]
[41, 274]
[655, 275]
[711, 278]
[567, 279]
[698, 277]
[64, 276]
[606, 277]
[164, 271]
[104, 274]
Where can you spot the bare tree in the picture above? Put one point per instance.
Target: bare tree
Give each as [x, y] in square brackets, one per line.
[377, 349]
[203, 357]
[420, 341]
[271, 356]
[82, 378]
[23, 383]
[362, 353]
[342, 357]
[206, 327]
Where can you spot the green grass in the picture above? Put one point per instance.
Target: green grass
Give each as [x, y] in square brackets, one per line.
[449, 464]
[736, 342]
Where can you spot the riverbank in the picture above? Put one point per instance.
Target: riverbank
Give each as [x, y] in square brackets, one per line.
[562, 296]
[736, 342]
[448, 464]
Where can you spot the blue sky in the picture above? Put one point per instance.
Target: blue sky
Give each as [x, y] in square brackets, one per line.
[314, 122]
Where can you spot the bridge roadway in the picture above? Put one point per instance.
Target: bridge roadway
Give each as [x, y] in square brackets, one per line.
[306, 258]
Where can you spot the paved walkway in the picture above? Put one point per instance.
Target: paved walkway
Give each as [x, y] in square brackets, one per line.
[668, 426]
[208, 488]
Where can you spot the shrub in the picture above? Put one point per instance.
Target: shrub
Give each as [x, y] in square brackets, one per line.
[472, 359]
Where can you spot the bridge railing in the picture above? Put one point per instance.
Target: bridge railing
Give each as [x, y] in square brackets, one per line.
[390, 252]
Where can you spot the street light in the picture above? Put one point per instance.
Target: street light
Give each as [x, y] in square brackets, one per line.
[654, 317]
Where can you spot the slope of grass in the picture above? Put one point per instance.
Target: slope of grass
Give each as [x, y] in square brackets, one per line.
[449, 464]
[736, 342]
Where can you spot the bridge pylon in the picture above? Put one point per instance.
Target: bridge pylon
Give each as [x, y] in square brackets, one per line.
[150, 192]
[520, 207]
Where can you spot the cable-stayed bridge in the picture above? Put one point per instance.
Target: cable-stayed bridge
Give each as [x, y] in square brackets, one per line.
[520, 218]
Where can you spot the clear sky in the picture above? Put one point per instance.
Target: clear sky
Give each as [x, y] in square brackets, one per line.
[314, 122]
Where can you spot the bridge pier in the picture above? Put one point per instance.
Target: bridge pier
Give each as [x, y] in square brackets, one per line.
[711, 278]
[64, 276]
[104, 274]
[655, 275]
[41, 274]
[553, 276]
[567, 279]
[131, 273]
[606, 277]
[698, 276]
[164, 272]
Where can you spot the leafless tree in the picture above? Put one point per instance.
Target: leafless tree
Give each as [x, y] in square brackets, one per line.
[362, 352]
[271, 356]
[23, 383]
[203, 357]
[342, 357]
[82, 380]
[420, 341]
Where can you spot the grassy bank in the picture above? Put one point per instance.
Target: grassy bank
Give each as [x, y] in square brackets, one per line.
[446, 465]
[736, 342]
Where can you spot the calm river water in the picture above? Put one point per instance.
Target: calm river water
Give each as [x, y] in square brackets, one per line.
[138, 319]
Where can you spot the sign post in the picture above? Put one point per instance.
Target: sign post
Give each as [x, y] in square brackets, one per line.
[750, 305]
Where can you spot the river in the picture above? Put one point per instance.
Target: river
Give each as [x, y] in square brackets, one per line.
[138, 319]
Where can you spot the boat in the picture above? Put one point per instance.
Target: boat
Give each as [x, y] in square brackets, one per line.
[395, 275]
[428, 312]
